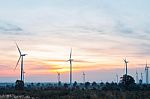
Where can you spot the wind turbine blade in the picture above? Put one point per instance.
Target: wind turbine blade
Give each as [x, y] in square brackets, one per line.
[70, 53]
[124, 59]
[17, 62]
[18, 49]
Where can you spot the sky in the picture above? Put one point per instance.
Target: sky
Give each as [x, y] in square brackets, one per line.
[101, 34]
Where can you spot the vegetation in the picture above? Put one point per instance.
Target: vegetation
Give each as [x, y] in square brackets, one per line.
[126, 89]
[93, 91]
[79, 94]
[19, 85]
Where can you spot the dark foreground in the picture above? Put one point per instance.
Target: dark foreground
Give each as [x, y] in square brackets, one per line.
[73, 94]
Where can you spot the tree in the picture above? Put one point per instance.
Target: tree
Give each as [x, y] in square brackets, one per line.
[87, 84]
[101, 84]
[38, 84]
[19, 85]
[94, 84]
[65, 85]
[127, 80]
[59, 83]
[75, 84]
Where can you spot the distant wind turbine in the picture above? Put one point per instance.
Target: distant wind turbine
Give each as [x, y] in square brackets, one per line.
[117, 78]
[70, 60]
[20, 58]
[137, 79]
[58, 75]
[142, 76]
[126, 64]
[141, 80]
[146, 70]
[83, 78]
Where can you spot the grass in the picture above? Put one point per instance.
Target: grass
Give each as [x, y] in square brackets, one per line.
[79, 94]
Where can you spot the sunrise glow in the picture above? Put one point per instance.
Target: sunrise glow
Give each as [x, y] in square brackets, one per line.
[100, 33]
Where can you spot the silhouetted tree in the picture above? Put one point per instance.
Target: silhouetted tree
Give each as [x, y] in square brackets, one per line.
[87, 84]
[101, 84]
[19, 85]
[59, 83]
[32, 84]
[127, 80]
[140, 81]
[38, 84]
[75, 84]
[94, 84]
[107, 84]
[112, 84]
[65, 85]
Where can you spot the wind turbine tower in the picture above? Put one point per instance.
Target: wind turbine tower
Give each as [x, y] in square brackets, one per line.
[58, 77]
[141, 80]
[142, 76]
[70, 60]
[83, 78]
[137, 79]
[146, 70]
[117, 78]
[20, 58]
[126, 64]
[23, 75]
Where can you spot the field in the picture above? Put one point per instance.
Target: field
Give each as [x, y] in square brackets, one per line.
[73, 94]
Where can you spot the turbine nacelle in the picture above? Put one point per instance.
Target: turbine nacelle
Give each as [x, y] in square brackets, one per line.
[70, 60]
[126, 61]
[23, 54]
[146, 67]
[58, 73]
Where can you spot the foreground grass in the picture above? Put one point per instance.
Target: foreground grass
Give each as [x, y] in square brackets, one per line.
[76, 94]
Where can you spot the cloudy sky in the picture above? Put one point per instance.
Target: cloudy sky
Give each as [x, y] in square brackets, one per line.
[100, 32]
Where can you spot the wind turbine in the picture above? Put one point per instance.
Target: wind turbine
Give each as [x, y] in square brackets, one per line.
[20, 58]
[137, 79]
[70, 60]
[126, 63]
[83, 78]
[141, 80]
[58, 77]
[117, 78]
[146, 70]
[142, 76]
